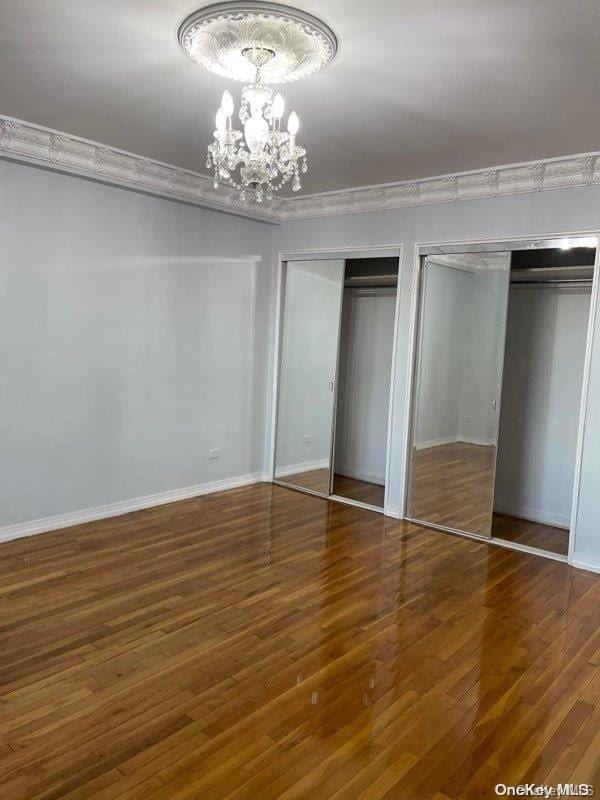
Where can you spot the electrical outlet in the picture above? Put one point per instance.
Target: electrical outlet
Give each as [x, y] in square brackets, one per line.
[307, 438]
[468, 419]
[213, 455]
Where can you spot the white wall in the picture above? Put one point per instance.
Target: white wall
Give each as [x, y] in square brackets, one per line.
[311, 322]
[440, 384]
[77, 431]
[530, 214]
[463, 323]
[134, 337]
[367, 337]
[543, 372]
[484, 333]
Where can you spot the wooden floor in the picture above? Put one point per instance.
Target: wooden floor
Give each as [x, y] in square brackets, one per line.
[452, 485]
[317, 480]
[371, 493]
[262, 643]
[533, 534]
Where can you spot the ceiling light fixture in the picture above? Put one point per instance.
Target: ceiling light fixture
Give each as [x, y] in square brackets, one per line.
[260, 44]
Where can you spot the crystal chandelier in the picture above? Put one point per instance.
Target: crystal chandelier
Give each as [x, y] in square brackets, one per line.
[266, 157]
[259, 43]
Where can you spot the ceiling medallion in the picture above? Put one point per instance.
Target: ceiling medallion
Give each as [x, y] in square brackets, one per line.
[259, 43]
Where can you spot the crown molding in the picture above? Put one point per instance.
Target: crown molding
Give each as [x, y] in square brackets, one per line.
[534, 176]
[28, 143]
[33, 144]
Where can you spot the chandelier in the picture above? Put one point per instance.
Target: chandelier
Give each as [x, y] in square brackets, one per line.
[258, 43]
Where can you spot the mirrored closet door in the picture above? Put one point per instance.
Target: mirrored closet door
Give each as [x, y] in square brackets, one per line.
[335, 376]
[309, 352]
[458, 381]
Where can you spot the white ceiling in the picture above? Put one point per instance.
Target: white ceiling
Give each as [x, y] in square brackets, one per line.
[417, 88]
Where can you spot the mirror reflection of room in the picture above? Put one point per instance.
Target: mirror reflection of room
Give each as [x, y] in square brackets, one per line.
[497, 395]
[458, 380]
[364, 376]
[335, 377]
[313, 293]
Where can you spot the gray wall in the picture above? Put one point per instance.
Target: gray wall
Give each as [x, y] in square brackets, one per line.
[363, 399]
[134, 337]
[313, 296]
[530, 214]
[136, 333]
[543, 372]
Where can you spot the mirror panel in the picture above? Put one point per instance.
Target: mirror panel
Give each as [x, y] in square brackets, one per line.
[458, 379]
[311, 325]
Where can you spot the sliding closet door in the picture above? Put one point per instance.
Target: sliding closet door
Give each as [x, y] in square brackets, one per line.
[311, 326]
[462, 329]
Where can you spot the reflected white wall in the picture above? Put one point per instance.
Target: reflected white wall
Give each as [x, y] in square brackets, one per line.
[308, 363]
[462, 325]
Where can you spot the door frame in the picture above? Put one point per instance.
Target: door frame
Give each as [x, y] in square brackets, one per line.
[510, 243]
[332, 254]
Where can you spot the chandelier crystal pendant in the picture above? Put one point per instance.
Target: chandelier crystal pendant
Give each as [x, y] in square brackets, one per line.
[258, 43]
[266, 156]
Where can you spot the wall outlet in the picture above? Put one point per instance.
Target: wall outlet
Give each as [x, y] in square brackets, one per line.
[468, 419]
[307, 438]
[213, 455]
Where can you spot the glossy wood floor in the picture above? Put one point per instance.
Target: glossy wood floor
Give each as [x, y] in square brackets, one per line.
[262, 643]
[533, 534]
[371, 493]
[317, 480]
[452, 485]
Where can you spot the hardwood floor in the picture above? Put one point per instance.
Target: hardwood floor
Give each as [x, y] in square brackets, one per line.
[546, 537]
[261, 643]
[452, 485]
[315, 480]
[371, 493]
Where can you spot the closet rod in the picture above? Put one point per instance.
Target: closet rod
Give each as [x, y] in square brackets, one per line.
[372, 290]
[557, 282]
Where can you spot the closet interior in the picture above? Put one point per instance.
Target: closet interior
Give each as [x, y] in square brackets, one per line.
[335, 375]
[546, 334]
[501, 345]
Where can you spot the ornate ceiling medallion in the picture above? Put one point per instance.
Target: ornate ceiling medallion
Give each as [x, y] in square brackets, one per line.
[259, 43]
[218, 36]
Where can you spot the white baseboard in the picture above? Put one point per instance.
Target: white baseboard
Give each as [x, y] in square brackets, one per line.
[591, 565]
[306, 466]
[392, 510]
[123, 507]
[478, 442]
[361, 475]
[427, 443]
[534, 515]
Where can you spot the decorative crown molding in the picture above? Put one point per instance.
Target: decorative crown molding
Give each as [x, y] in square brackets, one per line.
[34, 144]
[552, 173]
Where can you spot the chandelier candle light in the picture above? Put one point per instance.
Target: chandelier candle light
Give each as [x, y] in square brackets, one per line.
[267, 156]
[265, 43]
